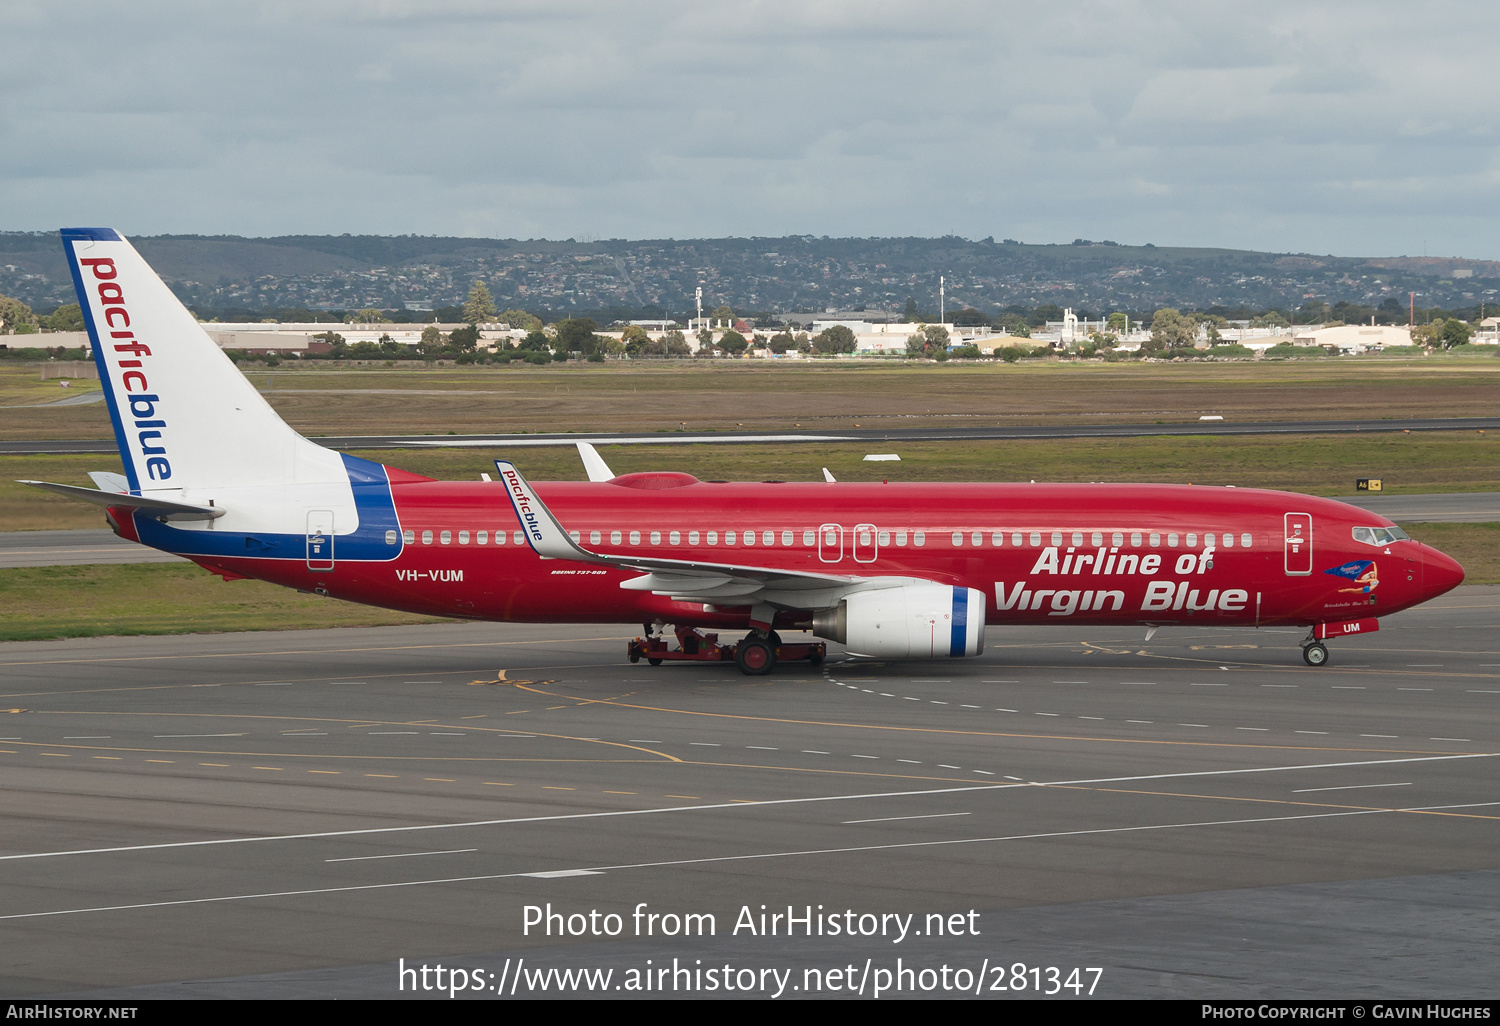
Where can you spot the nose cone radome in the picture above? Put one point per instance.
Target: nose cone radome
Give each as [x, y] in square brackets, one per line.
[1440, 573]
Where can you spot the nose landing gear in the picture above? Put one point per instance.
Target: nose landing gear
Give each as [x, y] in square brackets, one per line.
[1315, 653]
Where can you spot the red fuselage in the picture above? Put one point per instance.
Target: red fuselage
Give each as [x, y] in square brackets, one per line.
[1095, 554]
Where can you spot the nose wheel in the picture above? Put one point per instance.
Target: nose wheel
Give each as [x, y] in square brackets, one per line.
[1315, 654]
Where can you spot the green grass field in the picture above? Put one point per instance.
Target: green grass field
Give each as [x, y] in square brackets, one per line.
[331, 399]
[158, 598]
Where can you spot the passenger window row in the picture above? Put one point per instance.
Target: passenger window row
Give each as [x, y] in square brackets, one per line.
[863, 537]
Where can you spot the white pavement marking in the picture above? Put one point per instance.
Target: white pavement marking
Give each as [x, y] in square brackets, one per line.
[1348, 787]
[757, 856]
[671, 809]
[403, 855]
[897, 819]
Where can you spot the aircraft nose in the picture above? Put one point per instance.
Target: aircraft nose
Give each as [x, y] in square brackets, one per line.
[1440, 573]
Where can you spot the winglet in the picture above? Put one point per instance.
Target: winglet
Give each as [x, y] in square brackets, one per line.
[594, 463]
[829, 477]
[543, 533]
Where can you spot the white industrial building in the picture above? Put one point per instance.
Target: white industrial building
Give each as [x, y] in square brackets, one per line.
[1354, 338]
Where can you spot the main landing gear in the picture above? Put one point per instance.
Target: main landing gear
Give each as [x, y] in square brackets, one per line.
[756, 656]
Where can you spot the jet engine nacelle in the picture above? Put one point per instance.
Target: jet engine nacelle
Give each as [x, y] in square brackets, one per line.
[917, 621]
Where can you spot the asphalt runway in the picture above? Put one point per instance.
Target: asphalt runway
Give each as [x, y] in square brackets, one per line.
[932, 433]
[308, 813]
[67, 548]
[73, 548]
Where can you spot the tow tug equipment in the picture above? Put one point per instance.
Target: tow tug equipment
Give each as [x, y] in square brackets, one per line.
[756, 654]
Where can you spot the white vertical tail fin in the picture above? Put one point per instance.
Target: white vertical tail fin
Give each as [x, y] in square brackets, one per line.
[184, 416]
[190, 427]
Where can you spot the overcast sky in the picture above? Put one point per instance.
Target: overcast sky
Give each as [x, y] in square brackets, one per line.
[1361, 128]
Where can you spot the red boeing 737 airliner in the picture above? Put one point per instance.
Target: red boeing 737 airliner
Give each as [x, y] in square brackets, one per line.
[889, 570]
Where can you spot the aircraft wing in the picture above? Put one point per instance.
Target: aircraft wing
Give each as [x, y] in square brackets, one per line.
[685, 580]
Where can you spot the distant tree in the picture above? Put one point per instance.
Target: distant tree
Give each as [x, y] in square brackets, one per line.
[369, 315]
[65, 318]
[432, 343]
[928, 341]
[1232, 351]
[1104, 340]
[1044, 313]
[804, 344]
[576, 335]
[732, 343]
[536, 341]
[479, 308]
[837, 339]
[1287, 349]
[465, 339]
[1170, 330]
[337, 347]
[1454, 333]
[910, 314]
[1314, 311]
[677, 343]
[520, 319]
[781, 342]
[16, 316]
[1429, 335]
[634, 339]
[970, 318]
[723, 313]
[1117, 321]
[705, 339]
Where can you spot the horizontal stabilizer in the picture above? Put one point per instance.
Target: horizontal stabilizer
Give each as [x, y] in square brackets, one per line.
[162, 508]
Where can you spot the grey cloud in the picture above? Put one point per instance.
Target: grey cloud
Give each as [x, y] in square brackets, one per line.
[1280, 125]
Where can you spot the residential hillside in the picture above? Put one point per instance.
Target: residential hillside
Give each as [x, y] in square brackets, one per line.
[229, 275]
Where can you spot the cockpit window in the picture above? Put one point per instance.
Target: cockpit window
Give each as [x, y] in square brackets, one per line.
[1380, 535]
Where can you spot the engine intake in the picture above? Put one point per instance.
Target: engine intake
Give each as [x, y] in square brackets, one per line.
[912, 622]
